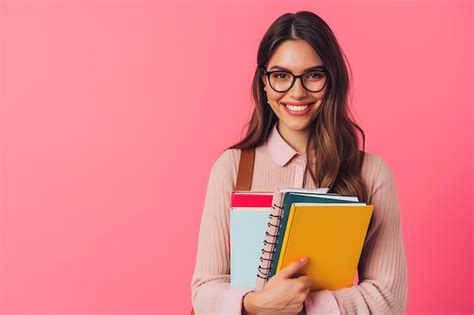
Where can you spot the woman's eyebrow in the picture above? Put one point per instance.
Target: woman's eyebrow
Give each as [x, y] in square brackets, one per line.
[310, 68]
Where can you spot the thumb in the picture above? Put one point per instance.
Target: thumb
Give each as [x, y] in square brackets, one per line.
[293, 267]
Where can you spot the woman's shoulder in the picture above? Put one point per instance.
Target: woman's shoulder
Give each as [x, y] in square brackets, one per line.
[375, 168]
[225, 168]
[226, 162]
[371, 160]
[227, 158]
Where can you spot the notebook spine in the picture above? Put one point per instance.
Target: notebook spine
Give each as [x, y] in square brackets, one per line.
[269, 245]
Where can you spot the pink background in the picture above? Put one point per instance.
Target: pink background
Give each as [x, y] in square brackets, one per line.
[112, 111]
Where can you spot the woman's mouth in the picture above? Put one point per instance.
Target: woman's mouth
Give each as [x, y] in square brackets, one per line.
[298, 110]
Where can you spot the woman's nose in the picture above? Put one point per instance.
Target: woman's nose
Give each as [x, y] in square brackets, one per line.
[297, 90]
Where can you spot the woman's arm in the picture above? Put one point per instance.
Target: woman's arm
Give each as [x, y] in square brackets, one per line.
[382, 287]
[211, 292]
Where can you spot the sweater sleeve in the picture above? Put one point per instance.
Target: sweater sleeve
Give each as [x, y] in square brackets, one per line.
[210, 284]
[322, 302]
[382, 288]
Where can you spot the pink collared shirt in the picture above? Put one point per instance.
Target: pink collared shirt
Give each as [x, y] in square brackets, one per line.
[382, 287]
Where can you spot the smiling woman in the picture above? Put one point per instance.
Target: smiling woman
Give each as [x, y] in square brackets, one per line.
[301, 125]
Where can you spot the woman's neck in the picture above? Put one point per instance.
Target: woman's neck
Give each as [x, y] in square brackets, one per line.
[296, 139]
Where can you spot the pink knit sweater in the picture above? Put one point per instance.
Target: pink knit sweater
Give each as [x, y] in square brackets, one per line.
[382, 287]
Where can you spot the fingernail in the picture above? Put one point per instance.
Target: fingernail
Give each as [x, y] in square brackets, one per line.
[304, 259]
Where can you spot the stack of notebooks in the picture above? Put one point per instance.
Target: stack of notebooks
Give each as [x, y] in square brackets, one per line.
[270, 230]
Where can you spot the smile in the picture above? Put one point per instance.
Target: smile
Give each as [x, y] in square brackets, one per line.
[298, 110]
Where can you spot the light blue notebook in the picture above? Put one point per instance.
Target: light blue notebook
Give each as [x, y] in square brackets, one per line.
[247, 232]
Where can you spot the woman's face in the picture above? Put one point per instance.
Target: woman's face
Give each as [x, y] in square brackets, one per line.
[294, 56]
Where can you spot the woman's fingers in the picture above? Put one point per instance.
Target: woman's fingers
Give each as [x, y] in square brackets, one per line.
[293, 267]
[307, 281]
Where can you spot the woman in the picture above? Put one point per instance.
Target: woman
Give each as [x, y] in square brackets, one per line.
[300, 127]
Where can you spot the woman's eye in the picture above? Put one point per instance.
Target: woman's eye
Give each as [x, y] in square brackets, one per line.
[315, 75]
[280, 75]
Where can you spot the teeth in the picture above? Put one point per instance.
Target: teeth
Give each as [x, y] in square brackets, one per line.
[297, 108]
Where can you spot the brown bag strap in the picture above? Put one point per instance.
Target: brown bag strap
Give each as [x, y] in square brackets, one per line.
[244, 176]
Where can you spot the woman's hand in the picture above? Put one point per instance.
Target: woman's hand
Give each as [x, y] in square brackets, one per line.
[282, 294]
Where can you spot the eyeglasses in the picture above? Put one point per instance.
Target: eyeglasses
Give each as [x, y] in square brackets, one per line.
[312, 80]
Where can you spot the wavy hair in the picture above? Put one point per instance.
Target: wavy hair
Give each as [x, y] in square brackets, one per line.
[334, 158]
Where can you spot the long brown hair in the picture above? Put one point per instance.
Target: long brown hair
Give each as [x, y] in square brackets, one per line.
[333, 142]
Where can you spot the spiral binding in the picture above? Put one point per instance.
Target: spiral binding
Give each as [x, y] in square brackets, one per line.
[263, 272]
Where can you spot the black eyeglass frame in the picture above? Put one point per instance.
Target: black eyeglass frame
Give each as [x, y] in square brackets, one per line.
[321, 69]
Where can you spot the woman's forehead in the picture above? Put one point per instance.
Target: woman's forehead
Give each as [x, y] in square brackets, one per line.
[295, 55]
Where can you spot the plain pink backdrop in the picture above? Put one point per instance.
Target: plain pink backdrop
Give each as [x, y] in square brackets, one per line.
[112, 114]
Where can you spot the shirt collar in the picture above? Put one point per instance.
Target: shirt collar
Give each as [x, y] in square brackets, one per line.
[280, 151]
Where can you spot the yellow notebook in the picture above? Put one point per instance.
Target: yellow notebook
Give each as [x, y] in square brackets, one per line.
[332, 236]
